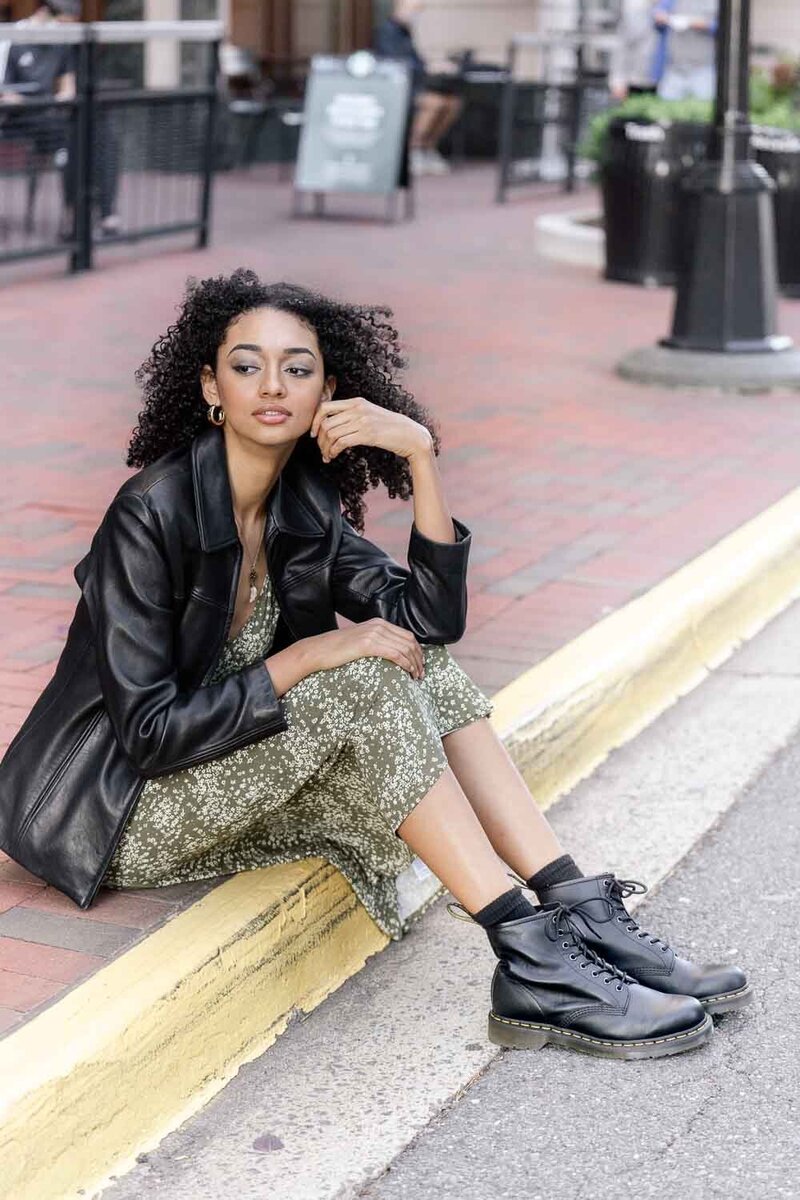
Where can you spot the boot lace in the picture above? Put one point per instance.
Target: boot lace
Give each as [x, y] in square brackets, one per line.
[560, 925]
[618, 891]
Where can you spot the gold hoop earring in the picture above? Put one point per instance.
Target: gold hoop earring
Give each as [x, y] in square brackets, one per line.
[215, 414]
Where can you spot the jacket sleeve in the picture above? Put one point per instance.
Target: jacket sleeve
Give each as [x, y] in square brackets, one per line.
[129, 595]
[429, 597]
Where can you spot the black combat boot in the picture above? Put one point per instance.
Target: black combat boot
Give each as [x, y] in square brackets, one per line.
[550, 987]
[597, 903]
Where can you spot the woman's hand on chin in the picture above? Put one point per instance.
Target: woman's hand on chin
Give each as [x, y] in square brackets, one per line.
[340, 424]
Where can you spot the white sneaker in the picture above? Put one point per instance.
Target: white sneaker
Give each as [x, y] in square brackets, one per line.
[111, 224]
[418, 161]
[437, 164]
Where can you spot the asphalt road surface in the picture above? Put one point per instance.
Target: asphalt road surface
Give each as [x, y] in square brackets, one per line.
[719, 1121]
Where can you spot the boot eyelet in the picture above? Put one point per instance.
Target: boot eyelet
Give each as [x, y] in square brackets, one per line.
[565, 945]
[573, 957]
[584, 966]
[619, 987]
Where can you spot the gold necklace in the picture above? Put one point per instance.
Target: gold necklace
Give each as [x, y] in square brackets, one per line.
[253, 561]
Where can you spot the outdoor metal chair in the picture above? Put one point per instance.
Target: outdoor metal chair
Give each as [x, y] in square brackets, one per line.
[253, 96]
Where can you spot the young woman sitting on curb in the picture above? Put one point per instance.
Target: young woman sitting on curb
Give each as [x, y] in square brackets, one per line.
[208, 715]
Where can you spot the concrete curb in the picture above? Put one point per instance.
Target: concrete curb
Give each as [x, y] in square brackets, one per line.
[106, 1072]
[663, 366]
[566, 237]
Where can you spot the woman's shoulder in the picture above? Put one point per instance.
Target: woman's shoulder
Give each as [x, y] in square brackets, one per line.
[159, 479]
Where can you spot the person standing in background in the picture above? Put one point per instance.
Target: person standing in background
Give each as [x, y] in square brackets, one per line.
[632, 63]
[39, 70]
[685, 61]
[436, 104]
[45, 70]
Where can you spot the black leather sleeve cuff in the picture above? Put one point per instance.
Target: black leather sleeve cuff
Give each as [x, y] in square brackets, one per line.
[446, 554]
[264, 704]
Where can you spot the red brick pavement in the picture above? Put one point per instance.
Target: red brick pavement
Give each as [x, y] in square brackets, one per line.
[582, 490]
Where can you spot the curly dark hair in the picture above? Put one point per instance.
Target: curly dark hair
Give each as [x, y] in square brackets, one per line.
[359, 346]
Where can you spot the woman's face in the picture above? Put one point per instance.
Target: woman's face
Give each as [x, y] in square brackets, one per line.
[269, 360]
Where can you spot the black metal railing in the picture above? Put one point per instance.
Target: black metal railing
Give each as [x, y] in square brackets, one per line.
[119, 162]
[543, 119]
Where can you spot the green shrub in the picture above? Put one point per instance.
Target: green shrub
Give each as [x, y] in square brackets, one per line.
[769, 105]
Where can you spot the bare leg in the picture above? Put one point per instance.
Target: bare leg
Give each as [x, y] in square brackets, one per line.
[446, 116]
[447, 835]
[427, 115]
[513, 821]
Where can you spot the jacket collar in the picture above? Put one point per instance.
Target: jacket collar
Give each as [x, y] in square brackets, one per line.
[287, 510]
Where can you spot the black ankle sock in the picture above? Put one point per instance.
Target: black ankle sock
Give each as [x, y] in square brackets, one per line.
[560, 870]
[509, 906]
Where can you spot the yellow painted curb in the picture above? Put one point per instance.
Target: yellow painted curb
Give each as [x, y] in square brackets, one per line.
[107, 1071]
[124, 1058]
[560, 719]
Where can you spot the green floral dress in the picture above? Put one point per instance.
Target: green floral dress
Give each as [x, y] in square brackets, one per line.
[362, 747]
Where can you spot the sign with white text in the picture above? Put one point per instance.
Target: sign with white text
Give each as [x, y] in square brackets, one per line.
[355, 123]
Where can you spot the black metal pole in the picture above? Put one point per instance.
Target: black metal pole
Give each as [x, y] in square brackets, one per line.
[575, 95]
[506, 131]
[731, 133]
[209, 147]
[727, 285]
[82, 146]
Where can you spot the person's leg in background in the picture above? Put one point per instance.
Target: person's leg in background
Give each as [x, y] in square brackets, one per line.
[53, 136]
[69, 174]
[448, 111]
[107, 171]
[426, 106]
[434, 114]
[703, 82]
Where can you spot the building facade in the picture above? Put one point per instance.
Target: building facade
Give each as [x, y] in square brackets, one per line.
[280, 31]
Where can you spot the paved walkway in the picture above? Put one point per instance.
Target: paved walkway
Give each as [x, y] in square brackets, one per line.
[582, 490]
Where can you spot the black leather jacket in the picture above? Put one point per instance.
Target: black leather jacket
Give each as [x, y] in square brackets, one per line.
[129, 699]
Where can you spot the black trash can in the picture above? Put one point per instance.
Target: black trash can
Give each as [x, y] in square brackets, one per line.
[778, 151]
[640, 175]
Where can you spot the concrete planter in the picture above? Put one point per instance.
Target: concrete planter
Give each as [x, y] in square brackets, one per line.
[636, 237]
[575, 237]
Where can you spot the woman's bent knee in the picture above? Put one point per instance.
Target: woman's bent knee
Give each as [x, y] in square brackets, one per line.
[374, 672]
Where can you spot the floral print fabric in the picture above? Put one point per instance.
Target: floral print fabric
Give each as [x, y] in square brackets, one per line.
[362, 747]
